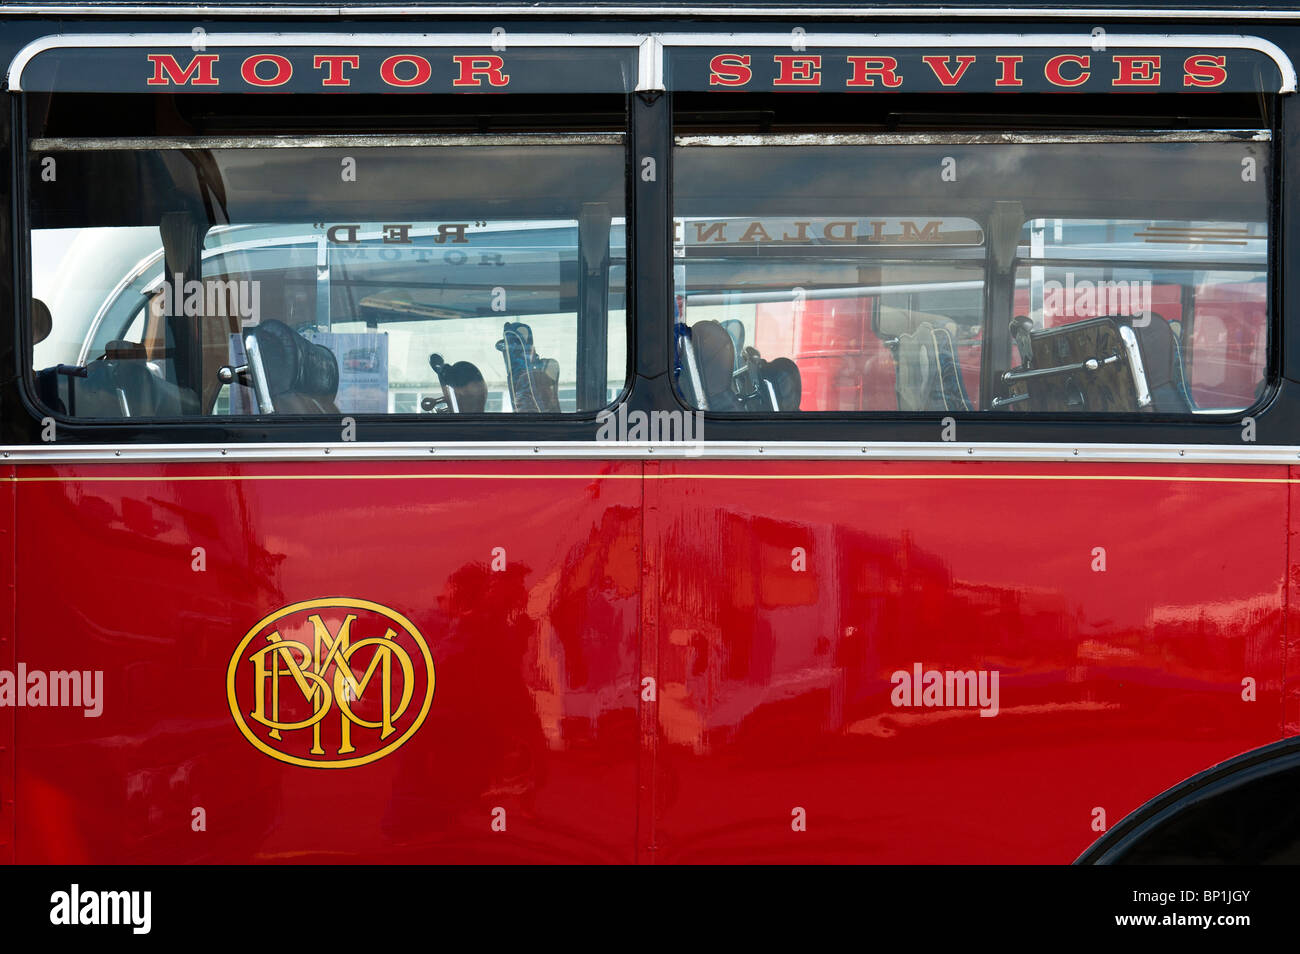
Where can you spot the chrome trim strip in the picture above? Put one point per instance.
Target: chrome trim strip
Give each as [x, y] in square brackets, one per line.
[935, 11]
[963, 139]
[813, 41]
[75, 144]
[937, 451]
[243, 40]
[650, 65]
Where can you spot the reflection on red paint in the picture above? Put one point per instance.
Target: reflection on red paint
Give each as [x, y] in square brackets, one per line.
[771, 611]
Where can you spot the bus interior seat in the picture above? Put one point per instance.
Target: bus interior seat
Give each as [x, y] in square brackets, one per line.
[781, 377]
[1111, 386]
[42, 321]
[302, 377]
[532, 382]
[50, 387]
[928, 377]
[1162, 360]
[47, 380]
[463, 389]
[736, 329]
[927, 372]
[120, 383]
[737, 381]
[714, 350]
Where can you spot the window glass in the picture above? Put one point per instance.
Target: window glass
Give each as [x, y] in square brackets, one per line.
[1076, 274]
[1201, 331]
[186, 278]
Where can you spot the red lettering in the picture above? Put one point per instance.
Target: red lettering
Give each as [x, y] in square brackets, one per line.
[1057, 78]
[866, 67]
[730, 69]
[388, 71]
[283, 70]
[472, 66]
[1137, 71]
[1010, 68]
[334, 64]
[798, 71]
[1205, 70]
[939, 66]
[198, 73]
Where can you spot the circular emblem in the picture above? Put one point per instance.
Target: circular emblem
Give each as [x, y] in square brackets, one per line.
[330, 683]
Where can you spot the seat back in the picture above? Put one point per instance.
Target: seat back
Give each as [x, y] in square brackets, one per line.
[736, 331]
[782, 384]
[1112, 386]
[302, 377]
[463, 387]
[1162, 360]
[714, 352]
[928, 377]
[532, 382]
[123, 383]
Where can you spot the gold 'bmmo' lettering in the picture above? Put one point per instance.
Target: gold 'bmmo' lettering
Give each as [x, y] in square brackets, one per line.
[309, 668]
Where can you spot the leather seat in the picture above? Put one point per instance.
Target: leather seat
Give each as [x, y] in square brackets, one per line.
[715, 360]
[303, 377]
[782, 375]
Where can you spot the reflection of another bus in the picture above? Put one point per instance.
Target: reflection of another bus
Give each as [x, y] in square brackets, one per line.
[361, 359]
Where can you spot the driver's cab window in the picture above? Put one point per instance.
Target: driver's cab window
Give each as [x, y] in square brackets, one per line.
[418, 278]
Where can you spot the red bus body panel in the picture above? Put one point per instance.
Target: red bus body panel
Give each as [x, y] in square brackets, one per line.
[7, 661]
[535, 704]
[772, 685]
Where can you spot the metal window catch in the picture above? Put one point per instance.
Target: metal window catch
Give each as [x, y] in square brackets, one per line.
[1091, 364]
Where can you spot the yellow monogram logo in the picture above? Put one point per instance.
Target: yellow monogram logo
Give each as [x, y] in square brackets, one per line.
[358, 661]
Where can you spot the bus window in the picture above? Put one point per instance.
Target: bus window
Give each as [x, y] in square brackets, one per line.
[845, 276]
[420, 277]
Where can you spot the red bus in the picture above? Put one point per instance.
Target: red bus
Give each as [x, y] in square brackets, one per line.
[700, 433]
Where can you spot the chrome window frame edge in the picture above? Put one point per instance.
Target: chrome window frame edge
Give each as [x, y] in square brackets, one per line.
[746, 140]
[291, 141]
[934, 11]
[936, 451]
